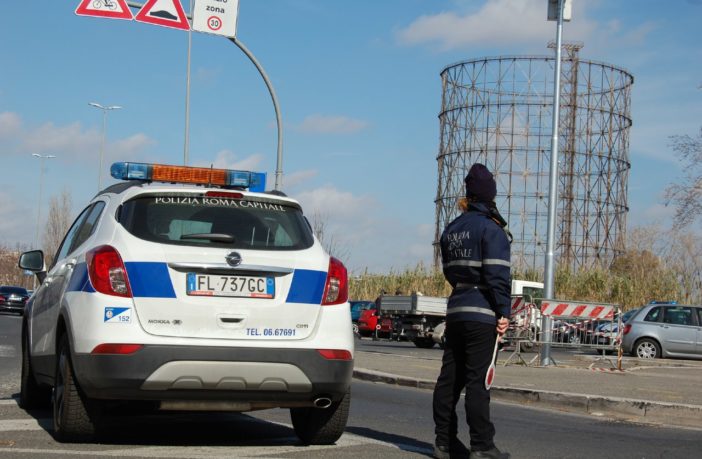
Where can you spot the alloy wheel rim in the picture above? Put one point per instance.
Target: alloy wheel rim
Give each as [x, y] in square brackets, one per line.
[647, 351]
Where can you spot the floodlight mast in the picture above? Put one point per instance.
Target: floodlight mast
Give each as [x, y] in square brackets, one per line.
[269, 85]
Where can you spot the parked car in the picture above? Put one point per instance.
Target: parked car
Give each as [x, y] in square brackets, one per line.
[190, 289]
[358, 306]
[372, 324]
[367, 322]
[664, 330]
[606, 334]
[13, 299]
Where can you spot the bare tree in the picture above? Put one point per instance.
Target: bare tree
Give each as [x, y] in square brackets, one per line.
[686, 195]
[57, 223]
[10, 274]
[328, 238]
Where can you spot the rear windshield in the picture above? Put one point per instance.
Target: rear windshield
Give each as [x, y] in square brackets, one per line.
[16, 290]
[221, 222]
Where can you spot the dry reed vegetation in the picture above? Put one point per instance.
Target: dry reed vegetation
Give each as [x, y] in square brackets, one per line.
[658, 265]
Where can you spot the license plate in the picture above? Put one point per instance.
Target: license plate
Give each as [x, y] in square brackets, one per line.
[234, 286]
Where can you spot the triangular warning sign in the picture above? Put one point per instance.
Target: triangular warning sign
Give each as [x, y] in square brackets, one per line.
[115, 9]
[167, 13]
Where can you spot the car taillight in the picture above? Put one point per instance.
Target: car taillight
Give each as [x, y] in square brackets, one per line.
[116, 348]
[335, 354]
[107, 272]
[336, 289]
[627, 329]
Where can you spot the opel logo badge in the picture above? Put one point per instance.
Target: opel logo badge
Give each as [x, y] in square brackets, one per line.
[233, 259]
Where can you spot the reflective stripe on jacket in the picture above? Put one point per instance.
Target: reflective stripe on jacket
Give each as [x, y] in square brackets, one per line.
[475, 253]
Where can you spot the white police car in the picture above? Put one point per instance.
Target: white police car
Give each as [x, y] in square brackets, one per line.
[194, 289]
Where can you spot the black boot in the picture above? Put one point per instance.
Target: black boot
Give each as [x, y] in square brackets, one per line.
[455, 451]
[492, 453]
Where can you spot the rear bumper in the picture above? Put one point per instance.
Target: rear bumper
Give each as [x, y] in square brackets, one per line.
[264, 377]
[13, 307]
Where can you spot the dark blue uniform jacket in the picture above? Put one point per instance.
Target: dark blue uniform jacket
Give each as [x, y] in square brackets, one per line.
[475, 253]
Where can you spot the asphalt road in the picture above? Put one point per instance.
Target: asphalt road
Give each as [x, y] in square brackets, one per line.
[385, 421]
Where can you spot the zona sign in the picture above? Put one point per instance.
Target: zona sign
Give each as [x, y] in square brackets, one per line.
[216, 17]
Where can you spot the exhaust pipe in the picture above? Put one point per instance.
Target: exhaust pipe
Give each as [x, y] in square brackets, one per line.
[322, 402]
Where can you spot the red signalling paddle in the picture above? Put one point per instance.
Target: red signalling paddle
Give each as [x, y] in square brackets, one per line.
[490, 375]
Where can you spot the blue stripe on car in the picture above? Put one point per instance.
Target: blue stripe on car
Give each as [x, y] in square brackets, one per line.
[79, 280]
[149, 279]
[307, 286]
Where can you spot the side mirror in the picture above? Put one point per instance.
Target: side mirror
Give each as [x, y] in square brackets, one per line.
[33, 261]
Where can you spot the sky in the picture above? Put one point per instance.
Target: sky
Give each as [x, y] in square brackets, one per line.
[359, 88]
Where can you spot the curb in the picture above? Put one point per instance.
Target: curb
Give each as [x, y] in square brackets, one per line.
[643, 411]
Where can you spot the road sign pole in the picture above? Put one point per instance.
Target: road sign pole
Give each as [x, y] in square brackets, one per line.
[186, 146]
[276, 106]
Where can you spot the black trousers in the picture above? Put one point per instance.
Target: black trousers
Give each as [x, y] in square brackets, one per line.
[467, 354]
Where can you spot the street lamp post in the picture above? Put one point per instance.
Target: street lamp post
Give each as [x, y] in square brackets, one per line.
[41, 187]
[104, 132]
[559, 11]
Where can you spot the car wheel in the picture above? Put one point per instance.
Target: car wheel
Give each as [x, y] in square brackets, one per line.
[75, 418]
[354, 327]
[321, 426]
[424, 343]
[574, 339]
[647, 348]
[32, 394]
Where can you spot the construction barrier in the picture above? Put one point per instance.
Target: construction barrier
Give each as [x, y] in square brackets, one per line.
[582, 325]
[574, 325]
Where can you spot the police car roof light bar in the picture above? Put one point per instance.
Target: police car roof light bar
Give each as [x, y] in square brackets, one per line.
[227, 178]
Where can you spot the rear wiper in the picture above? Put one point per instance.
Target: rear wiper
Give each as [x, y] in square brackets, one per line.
[215, 237]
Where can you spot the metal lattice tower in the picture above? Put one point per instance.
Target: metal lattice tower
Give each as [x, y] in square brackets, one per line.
[498, 111]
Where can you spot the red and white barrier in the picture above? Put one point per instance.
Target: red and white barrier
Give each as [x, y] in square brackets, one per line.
[577, 310]
[518, 305]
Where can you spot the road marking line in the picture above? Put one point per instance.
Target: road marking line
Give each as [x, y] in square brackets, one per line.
[197, 452]
[8, 350]
[12, 425]
[8, 401]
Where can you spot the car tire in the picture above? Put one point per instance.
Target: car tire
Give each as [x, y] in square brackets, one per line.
[647, 348]
[75, 416]
[424, 343]
[321, 426]
[354, 327]
[32, 394]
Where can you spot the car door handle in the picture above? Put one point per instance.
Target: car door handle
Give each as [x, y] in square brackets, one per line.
[70, 264]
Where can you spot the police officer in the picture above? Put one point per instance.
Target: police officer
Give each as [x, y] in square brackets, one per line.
[475, 252]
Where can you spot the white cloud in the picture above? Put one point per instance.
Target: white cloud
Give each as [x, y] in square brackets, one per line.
[11, 218]
[70, 141]
[339, 206]
[298, 178]
[10, 125]
[71, 138]
[498, 22]
[320, 124]
[129, 148]
[374, 240]
[226, 159]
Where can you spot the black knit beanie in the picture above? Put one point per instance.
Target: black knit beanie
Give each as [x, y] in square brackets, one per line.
[480, 184]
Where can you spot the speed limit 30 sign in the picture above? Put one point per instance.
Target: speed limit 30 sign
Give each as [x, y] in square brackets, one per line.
[216, 16]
